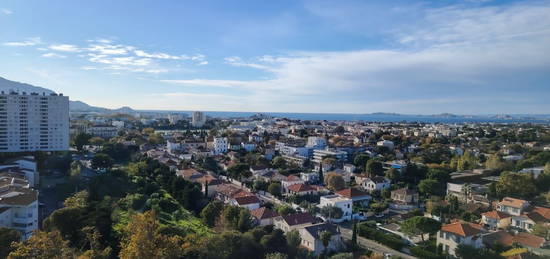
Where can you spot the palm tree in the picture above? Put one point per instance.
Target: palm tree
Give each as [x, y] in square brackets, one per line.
[325, 238]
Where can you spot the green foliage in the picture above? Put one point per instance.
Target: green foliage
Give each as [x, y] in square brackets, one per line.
[335, 182]
[332, 212]
[516, 185]
[274, 188]
[374, 167]
[360, 160]
[419, 225]
[102, 161]
[211, 212]
[466, 251]
[7, 236]
[279, 162]
[370, 232]
[284, 210]
[80, 140]
[425, 254]
[239, 171]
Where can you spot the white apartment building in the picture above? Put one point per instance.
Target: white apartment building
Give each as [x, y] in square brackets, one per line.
[319, 154]
[316, 142]
[198, 119]
[220, 145]
[33, 122]
[104, 131]
[18, 205]
[345, 204]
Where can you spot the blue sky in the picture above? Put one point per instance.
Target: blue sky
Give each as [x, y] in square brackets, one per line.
[426, 57]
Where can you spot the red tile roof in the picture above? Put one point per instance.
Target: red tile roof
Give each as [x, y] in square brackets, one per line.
[245, 200]
[351, 193]
[495, 215]
[300, 187]
[464, 229]
[263, 213]
[512, 202]
[529, 240]
[298, 219]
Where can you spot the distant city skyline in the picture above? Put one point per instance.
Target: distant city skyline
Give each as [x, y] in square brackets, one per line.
[409, 57]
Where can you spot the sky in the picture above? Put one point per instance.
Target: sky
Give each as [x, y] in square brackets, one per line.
[411, 57]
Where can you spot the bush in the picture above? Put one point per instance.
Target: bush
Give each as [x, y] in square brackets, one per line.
[422, 253]
[389, 240]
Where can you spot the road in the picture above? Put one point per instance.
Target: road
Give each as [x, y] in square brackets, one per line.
[373, 245]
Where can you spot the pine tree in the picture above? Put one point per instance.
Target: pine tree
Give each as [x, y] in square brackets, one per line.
[354, 235]
[206, 188]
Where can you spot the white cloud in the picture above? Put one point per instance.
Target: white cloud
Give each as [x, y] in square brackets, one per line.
[53, 55]
[6, 11]
[238, 62]
[29, 42]
[64, 48]
[449, 52]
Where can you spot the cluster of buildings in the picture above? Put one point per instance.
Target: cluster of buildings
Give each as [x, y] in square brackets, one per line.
[19, 181]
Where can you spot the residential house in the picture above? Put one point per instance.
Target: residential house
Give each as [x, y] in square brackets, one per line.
[356, 195]
[512, 206]
[404, 196]
[290, 180]
[311, 239]
[376, 183]
[495, 219]
[263, 216]
[530, 217]
[250, 202]
[345, 204]
[300, 189]
[506, 239]
[450, 236]
[293, 221]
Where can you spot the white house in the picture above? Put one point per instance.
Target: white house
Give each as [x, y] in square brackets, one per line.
[376, 183]
[452, 235]
[250, 202]
[311, 239]
[293, 221]
[345, 204]
[263, 216]
[512, 206]
[290, 180]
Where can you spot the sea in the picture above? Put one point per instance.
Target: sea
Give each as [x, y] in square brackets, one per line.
[382, 117]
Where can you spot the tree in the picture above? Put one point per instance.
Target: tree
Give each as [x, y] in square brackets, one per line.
[325, 237]
[332, 212]
[542, 230]
[374, 167]
[420, 225]
[80, 140]
[276, 256]
[429, 187]
[284, 210]
[378, 207]
[279, 162]
[339, 130]
[7, 236]
[211, 212]
[494, 162]
[43, 245]
[239, 170]
[102, 161]
[466, 251]
[274, 242]
[335, 182]
[245, 220]
[97, 141]
[361, 160]
[274, 188]
[143, 240]
[547, 168]
[392, 174]
[354, 235]
[516, 184]
[77, 200]
[293, 240]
